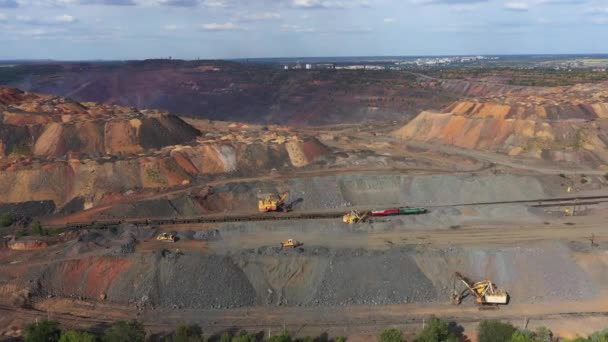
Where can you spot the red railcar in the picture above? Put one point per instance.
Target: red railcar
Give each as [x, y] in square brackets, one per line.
[385, 212]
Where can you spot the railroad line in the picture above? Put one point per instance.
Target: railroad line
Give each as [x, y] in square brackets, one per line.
[310, 215]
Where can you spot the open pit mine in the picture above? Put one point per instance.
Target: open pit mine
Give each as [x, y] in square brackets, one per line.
[496, 200]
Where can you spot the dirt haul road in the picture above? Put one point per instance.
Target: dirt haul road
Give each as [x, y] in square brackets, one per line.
[356, 322]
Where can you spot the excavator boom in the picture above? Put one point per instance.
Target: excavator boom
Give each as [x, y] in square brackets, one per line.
[485, 292]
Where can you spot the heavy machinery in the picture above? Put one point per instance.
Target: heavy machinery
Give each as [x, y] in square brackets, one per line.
[355, 216]
[290, 243]
[166, 237]
[399, 211]
[485, 292]
[273, 203]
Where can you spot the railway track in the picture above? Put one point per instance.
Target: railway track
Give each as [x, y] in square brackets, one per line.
[104, 224]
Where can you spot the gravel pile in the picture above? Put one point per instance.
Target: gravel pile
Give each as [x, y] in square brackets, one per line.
[373, 278]
[194, 280]
[207, 235]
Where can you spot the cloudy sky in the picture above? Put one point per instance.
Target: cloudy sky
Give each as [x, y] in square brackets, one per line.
[137, 29]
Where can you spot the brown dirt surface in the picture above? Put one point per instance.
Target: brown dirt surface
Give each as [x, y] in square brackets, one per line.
[561, 124]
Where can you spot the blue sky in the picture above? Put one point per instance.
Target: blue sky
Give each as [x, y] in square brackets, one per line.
[137, 29]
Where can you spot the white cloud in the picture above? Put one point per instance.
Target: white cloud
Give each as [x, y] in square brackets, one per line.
[263, 16]
[297, 29]
[227, 26]
[66, 18]
[215, 3]
[170, 27]
[311, 4]
[544, 21]
[3, 17]
[597, 10]
[600, 20]
[24, 18]
[518, 6]
[464, 8]
[389, 20]
[179, 3]
[445, 2]
[561, 2]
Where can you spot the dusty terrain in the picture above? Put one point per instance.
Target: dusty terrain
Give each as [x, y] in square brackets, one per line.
[496, 170]
[232, 91]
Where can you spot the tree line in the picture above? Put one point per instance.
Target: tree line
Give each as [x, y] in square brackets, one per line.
[435, 330]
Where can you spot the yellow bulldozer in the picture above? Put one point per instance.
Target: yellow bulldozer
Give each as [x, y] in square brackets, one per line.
[273, 203]
[354, 217]
[166, 237]
[290, 243]
[485, 292]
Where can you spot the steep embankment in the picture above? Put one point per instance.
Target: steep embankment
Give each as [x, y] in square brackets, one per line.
[50, 127]
[539, 272]
[60, 150]
[565, 125]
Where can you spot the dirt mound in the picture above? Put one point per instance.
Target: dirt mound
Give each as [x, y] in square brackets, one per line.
[313, 276]
[535, 273]
[98, 153]
[553, 125]
[52, 127]
[11, 95]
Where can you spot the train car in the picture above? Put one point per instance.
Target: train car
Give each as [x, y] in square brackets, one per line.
[385, 212]
[412, 211]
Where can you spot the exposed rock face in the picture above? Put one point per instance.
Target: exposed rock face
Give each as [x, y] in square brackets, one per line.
[59, 150]
[52, 127]
[551, 126]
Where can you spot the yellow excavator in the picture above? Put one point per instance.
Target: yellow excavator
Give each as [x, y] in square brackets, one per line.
[166, 237]
[290, 243]
[273, 203]
[354, 217]
[485, 292]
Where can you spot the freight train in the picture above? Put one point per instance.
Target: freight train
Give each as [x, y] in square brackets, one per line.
[399, 211]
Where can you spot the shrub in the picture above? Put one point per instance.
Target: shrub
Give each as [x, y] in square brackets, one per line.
[494, 331]
[245, 337]
[306, 339]
[44, 331]
[122, 331]
[284, 337]
[6, 219]
[391, 335]
[600, 336]
[523, 336]
[188, 333]
[340, 339]
[77, 336]
[543, 334]
[38, 230]
[437, 330]
[225, 337]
